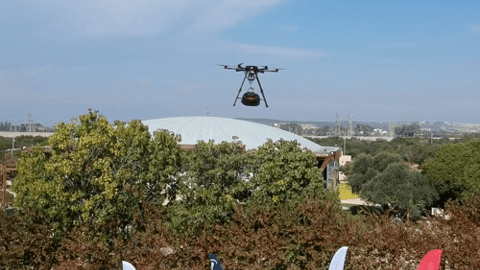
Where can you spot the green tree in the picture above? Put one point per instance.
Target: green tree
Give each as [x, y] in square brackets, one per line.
[218, 176]
[399, 186]
[365, 167]
[407, 130]
[284, 172]
[364, 130]
[386, 179]
[455, 170]
[97, 174]
[213, 179]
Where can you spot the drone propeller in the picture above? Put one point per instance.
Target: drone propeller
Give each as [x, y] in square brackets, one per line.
[274, 70]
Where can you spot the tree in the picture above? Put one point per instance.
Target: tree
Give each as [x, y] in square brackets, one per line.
[386, 179]
[323, 131]
[219, 176]
[213, 179]
[97, 174]
[283, 173]
[365, 130]
[407, 130]
[399, 186]
[366, 167]
[455, 170]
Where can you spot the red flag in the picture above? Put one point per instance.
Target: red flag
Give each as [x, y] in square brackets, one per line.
[431, 260]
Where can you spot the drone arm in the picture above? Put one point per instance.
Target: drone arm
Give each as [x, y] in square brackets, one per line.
[273, 70]
[226, 67]
[261, 90]
[240, 90]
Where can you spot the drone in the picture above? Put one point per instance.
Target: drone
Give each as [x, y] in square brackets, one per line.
[250, 98]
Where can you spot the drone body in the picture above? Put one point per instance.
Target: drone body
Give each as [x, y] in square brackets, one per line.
[250, 98]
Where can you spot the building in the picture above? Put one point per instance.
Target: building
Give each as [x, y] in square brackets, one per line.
[344, 160]
[252, 135]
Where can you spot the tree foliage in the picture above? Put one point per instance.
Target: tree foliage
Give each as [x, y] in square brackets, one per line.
[102, 176]
[455, 171]
[20, 142]
[366, 167]
[412, 150]
[386, 179]
[284, 172]
[407, 130]
[399, 186]
[364, 130]
[213, 176]
[96, 174]
[219, 176]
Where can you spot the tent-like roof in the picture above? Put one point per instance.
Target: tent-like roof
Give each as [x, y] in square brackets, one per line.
[252, 135]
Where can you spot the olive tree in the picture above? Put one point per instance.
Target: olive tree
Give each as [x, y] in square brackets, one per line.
[387, 180]
[401, 187]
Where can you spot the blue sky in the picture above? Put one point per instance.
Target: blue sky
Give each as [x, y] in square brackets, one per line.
[145, 59]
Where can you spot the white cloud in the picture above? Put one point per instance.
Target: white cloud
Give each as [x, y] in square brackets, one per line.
[281, 52]
[228, 13]
[146, 17]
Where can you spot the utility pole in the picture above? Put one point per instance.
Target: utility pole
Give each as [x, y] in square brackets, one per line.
[13, 146]
[391, 129]
[349, 133]
[337, 127]
[30, 123]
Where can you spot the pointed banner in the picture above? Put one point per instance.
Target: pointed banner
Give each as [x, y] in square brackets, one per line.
[431, 261]
[338, 260]
[215, 264]
[127, 266]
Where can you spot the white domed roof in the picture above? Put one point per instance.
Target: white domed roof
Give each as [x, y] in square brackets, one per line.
[252, 135]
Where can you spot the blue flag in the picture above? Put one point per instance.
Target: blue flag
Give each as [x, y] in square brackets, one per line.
[215, 264]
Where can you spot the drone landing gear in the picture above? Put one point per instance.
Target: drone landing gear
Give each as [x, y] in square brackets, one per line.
[240, 90]
[250, 98]
[261, 90]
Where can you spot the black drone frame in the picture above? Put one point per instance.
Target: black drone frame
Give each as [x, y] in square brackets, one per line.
[251, 73]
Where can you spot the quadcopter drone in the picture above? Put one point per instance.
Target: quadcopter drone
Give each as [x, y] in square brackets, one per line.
[250, 98]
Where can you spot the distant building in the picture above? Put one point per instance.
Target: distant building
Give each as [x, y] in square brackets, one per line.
[379, 131]
[344, 160]
[308, 126]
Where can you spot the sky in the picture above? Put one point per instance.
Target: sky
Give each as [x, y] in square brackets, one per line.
[146, 59]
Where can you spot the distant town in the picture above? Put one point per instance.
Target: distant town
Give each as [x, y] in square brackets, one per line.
[372, 129]
[309, 128]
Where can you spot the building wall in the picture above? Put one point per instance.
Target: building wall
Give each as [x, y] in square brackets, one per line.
[344, 160]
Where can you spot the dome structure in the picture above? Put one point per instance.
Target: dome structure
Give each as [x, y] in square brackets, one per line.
[252, 135]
